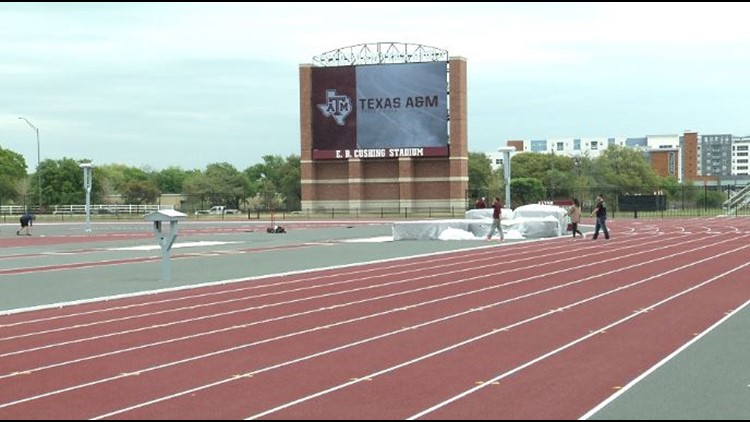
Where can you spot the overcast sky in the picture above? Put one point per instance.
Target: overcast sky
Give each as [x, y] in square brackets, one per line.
[189, 84]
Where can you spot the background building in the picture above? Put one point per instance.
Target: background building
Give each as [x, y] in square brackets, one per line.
[710, 158]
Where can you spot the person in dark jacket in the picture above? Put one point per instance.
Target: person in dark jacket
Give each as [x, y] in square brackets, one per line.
[601, 217]
[26, 223]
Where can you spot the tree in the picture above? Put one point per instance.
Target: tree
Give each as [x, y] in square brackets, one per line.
[529, 165]
[267, 198]
[290, 185]
[219, 184]
[553, 170]
[171, 179]
[12, 170]
[711, 199]
[670, 185]
[114, 174]
[63, 182]
[526, 190]
[480, 175]
[496, 185]
[627, 169]
[284, 174]
[134, 173]
[140, 192]
[583, 180]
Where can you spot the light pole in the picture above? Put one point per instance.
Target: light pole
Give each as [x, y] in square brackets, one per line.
[506, 171]
[87, 183]
[38, 161]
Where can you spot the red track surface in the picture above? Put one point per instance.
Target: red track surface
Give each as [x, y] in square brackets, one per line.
[543, 330]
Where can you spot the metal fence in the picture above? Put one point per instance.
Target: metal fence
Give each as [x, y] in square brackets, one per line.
[684, 201]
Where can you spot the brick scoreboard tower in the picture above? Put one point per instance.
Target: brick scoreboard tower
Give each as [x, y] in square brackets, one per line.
[373, 178]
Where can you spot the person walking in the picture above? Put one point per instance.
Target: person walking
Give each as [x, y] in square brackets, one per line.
[26, 223]
[496, 213]
[575, 217]
[601, 217]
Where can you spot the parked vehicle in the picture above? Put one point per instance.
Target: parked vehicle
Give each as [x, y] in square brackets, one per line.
[218, 210]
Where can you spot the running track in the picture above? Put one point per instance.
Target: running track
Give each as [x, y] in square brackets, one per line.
[543, 330]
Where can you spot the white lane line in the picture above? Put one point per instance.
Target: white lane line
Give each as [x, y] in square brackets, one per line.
[216, 353]
[308, 298]
[379, 273]
[341, 305]
[575, 342]
[435, 353]
[437, 256]
[661, 363]
[175, 246]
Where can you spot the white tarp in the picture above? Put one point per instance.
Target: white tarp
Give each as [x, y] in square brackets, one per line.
[537, 227]
[526, 222]
[431, 229]
[477, 214]
[534, 211]
[456, 234]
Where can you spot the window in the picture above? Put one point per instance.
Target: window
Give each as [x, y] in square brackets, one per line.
[594, 145]
[560, 146]
[538, 146]
[671, 165]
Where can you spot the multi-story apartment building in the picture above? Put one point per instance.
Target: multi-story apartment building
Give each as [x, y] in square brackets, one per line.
[741, 155]
[687, 156]
[715, 152]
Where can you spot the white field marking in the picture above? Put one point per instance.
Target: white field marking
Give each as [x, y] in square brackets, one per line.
[214, 283]
[661, 363]
[379, 274]
[378, 271]
[147, 227]
[580, 339]
[378, 239]
[432, 354]
[164, 325]
[175, 246]
[320, 328]
[197, 335]
[57, 253]
[75, 266]
[243, 279]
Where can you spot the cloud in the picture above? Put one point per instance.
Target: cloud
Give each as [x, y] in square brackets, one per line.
[219, 81]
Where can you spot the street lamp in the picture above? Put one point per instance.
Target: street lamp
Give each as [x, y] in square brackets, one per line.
[506, 171]
[87, 183]
[38, 161]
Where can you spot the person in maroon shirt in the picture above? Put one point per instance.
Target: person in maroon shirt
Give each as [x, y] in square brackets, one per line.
[496, 212]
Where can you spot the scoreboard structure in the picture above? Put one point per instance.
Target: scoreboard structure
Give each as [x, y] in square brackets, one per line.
[384, 126]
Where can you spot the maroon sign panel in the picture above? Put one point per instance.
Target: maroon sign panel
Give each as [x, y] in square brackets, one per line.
[380, 111]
